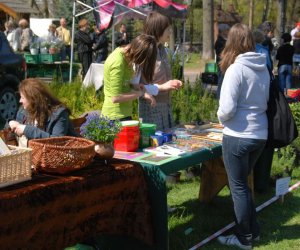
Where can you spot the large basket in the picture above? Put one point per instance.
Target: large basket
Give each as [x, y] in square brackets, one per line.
[61, 154]
[15, 167]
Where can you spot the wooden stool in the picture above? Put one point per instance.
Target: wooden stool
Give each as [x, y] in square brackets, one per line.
[214, 179]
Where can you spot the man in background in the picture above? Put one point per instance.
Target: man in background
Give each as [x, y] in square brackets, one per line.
[121, 36]
[65, 36]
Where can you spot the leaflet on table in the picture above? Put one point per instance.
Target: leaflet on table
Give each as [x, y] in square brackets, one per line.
[129, 155]
[165, 150]
[155, 159]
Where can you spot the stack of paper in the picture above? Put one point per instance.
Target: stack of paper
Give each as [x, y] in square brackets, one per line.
[165, 150]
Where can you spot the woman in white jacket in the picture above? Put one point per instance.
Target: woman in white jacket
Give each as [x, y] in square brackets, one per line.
[242, 111]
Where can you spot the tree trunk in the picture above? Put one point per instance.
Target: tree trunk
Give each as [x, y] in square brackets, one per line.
[46, 8]
[266, 11]
[281, 18]
[251, 7]
[191, 17]
[34, 4]
[208, 31]
[292, 15]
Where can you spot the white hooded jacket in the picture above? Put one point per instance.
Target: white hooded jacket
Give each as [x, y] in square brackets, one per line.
[244, 97]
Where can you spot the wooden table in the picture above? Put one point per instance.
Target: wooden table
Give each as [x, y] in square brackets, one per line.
[53, 212]
[213, 180]
[156, 179]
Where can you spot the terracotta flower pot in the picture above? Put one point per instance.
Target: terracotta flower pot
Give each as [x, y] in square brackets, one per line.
[52, 50]
[105, 150]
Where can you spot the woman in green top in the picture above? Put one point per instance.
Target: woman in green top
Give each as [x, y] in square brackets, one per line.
[118, 71]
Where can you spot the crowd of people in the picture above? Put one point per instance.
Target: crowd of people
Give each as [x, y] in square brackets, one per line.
[141, 69]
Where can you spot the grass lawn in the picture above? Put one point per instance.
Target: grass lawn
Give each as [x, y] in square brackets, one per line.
[192, 221]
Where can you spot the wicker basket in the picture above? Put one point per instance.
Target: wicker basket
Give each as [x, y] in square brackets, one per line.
[61, 155]
[15, 167]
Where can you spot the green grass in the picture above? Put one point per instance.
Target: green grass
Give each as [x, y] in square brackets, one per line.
[280, 223]
[195, 62]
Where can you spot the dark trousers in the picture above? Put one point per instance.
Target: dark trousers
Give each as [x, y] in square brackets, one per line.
[86, 59]
[240, 156]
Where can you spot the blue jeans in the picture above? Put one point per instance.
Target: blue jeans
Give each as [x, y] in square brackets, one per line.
[285, 77]
[240, 156]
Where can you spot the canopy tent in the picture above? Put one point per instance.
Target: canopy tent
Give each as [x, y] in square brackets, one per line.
[110, 12]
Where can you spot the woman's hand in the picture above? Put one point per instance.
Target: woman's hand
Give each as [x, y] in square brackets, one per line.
[17, 127]
[151, 99]
[170, 85]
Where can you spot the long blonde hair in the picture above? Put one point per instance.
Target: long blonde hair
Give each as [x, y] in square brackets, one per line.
[240, 40]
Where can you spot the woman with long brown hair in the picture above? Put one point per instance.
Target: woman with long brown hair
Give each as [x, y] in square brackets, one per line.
[118, 73]
[159, 26]
[42, 115]
[242, 111]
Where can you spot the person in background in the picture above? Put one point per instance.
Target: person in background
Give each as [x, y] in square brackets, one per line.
[118, 72]
[121, 36]
[13, 35]
[8, 25]
[268, 29]
[259, 38]
[295, 30]
[65, 36]
[285, 63]
[100, 44]
[296, 44]
[159, 26]
[26, 35]
[242, 111]
[52, 33]
[41, 115]
[84, 46]
[219, 46]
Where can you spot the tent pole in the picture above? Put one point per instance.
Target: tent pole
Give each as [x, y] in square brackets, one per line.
[183, 47]
[72, 43]
[113, 38]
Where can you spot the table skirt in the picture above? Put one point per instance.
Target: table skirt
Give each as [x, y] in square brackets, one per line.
[53, 212]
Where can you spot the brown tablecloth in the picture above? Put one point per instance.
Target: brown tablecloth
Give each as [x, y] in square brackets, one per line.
[53, 212]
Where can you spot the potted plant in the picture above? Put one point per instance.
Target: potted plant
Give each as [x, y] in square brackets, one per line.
[103, 131]
[44, 47]
[34, 48]
[53, 49]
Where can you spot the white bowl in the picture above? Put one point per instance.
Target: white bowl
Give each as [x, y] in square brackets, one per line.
[129, 123]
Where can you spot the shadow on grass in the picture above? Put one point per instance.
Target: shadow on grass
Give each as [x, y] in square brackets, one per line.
[193, 221]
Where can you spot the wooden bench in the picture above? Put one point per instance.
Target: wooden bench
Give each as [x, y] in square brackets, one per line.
[214, 179]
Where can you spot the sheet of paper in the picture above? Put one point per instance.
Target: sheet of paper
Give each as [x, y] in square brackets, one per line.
[3, 148]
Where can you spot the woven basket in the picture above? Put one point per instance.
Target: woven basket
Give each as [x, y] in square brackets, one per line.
[15, 167]
[61, 155]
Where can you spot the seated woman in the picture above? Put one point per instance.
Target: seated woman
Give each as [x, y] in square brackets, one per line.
[41, 115]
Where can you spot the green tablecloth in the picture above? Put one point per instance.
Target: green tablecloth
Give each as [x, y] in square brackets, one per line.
[156, 179]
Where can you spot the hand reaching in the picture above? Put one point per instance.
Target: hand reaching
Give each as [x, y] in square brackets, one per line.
[151, 99]
[171, 85]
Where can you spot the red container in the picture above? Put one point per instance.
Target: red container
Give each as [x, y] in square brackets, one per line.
[128, 139]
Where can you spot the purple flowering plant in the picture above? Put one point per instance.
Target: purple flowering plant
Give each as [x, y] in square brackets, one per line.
[100, 128]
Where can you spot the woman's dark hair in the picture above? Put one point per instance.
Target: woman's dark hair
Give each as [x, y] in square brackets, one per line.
[155, 24]
[41, 103]
[142, 52]
[286, 37]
